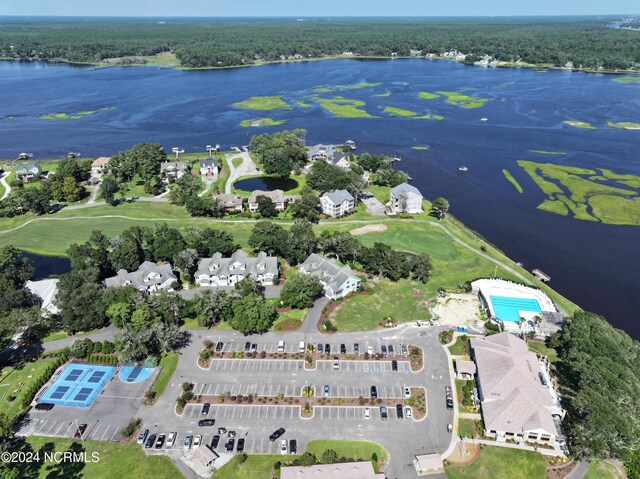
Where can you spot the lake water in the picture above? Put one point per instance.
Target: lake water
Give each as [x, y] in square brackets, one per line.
[594, 264]
[266, 183]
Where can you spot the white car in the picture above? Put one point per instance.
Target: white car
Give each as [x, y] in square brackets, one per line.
[172, 439]
[197, 440]
[407, 412]
[407, 392]
[336, 363]
[369, 349]
[283, 447]
[367, 413]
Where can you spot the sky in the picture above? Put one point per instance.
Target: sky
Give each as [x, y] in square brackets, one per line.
[322, 8]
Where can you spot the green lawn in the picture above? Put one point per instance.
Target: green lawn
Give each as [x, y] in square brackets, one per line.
[501, 463]
[541, 348]
[113, 461]
[458, 348]
[14, 382]
[169, 363]
[603, 470]
[466, 428]
[348, 449]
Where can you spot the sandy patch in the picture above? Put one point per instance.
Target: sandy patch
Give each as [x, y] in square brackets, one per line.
[377, 228]
[456, 309]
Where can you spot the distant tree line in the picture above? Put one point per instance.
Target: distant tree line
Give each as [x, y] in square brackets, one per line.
[585, 41]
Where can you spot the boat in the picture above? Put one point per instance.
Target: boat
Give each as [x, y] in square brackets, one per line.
[484, 119]
[463, 169]
[350, 144]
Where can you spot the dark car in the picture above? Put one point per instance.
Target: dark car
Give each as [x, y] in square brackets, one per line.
[229, 445]
[240, 447]
[383, 350]
[254, 347]
[205, 409]
[293, 446]
[390, 349]
[343, 349]
[81, 429]
[219, 347]
[404, 349]
[276, 434]
[449, 403]
[160, 441]
[399, 411]
[384, 415]
[320, 348]
[206, 422]
[150, 441]
[374, 392]
[356, 348]
[247, 346]
[44, 406]
[327, 349]
[215, 440]
[394, 365]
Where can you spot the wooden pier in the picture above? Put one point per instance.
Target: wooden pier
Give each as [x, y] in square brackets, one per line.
[545, 278]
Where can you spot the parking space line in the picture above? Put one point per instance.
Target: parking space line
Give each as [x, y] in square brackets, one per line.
[105, 433]
[50, 427]
[69, 426]
[115, 431]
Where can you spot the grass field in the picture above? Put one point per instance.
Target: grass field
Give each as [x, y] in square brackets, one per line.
[14, 382]
[169, 363]
[603, 470]
[467, 428]
[501, 463]
[348, 449]
[540, 347]
[114, 461]
[459, 348]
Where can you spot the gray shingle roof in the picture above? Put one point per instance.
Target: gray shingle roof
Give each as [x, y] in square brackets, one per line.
[327, 271]
[405, 188]
[147, 275]
[238, 263]
[338, 197]
[277, 196]
[329, 152]
[173, 165]
[26, 167]
[209, 163]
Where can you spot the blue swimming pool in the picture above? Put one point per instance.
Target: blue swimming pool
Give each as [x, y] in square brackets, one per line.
[506, 308]
[134, 374]
[78, 385]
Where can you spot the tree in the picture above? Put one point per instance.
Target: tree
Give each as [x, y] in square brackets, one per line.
[370, 162]
[37, 200]
[324, 176]
[143, 159]
[15, 266]
[632, 466]
[212, 307]
[119, 314]
[301, 242]
[79, 298]
[108, 190]
[341, 245]
[248, 287]
[389, 177]
[301, 291]
[184, 188]
[382, 260]
[268, 237]
[266, 207]
[29, 321]
[421, 267]
[6, 426]
[70, 168]
[439, 208]
[187, 262]
[281, 152]
[329, 456]
[252, 314]
[165, 242]
[125, 253]
[207, 241]
[308, 459]
[71, 190]
[307, 206]
[92, 254]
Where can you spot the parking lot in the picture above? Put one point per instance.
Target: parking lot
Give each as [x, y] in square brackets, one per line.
[288, 365]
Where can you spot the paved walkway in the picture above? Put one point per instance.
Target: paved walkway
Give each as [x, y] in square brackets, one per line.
[246, 168]
[579, 471]
[3, 180]
[313, 316]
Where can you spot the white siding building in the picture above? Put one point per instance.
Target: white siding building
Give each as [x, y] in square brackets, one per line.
[337, 281]
[219, 271]
[148, 278]
[405, 198]
[337, 203]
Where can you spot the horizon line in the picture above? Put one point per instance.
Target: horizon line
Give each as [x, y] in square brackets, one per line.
[327, 16]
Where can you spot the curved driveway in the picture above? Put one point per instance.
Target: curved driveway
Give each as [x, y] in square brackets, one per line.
[3, 180]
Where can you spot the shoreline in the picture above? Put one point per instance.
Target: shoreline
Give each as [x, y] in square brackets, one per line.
[515, 65]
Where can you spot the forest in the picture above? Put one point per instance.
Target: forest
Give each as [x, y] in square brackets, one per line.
[205, 43]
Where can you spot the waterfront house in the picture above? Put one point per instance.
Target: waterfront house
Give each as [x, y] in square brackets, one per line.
[27, 171]
[209, 168]
[337, 203]
[229, 201]
[517, 400]
[405, 198]
[149, 277]
[277, 196]
[173, 168]
[330, 154]
[337, 281]
[220, 271]
[99, 165]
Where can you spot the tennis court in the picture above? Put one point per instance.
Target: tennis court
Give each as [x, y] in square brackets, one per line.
[78, 385]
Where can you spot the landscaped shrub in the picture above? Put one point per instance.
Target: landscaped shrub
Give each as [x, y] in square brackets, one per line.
[131, 428]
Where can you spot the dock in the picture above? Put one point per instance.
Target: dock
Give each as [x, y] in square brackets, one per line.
[545, 278]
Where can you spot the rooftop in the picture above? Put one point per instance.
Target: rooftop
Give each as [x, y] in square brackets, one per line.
[346, 470]
[338, 197]
[405, 188]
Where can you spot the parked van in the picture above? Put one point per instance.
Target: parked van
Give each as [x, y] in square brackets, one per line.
[281, 346]
[301, 348]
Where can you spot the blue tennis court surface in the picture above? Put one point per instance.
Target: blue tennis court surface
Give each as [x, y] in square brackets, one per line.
[78, 385]
[506, 308]
[134, 374]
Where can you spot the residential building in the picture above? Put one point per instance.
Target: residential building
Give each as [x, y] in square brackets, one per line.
[173, 168]
[209, 168]
[344, 470]
[99, 165]
[465, 369]
[337, 203]
[277, 196]
[46, 290]
[427, 464]
[405, 198]
[220, 271]
[517, 397]
[149, 277]
[337, 281]
[26, 171]
[330, 154]
[230, 201]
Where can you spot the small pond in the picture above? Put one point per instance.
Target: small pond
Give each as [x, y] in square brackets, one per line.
[46, 266]
[266, 183]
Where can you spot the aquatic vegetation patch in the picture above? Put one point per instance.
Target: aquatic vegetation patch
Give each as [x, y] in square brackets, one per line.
[512, 180]
[543, 152]
[302, 103]
[580, 124]
[463, 101]
[343, 107]
[322, 89]
[431, 116]
[588, 194]
[420, 148]
[383, 95]
[257, 122]
[74, 115]
[627, 79]
[356, 86]
[425, 95]
[392, 111]
[267, 103]
[625, 125]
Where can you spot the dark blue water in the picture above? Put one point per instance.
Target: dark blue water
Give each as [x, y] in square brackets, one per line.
[593, 264]
[266, 183]
[46, 266]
